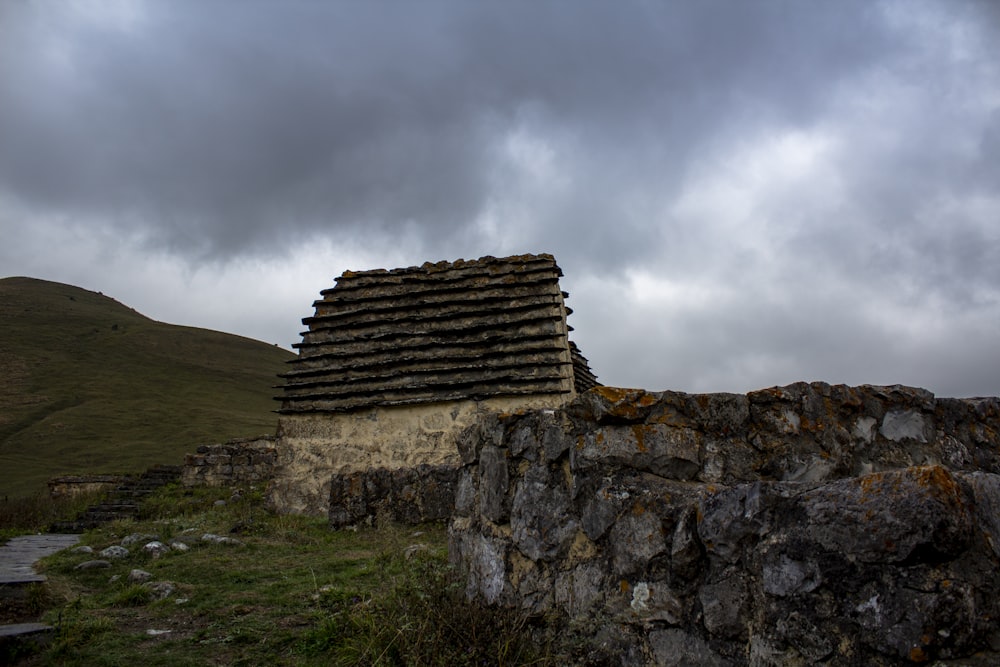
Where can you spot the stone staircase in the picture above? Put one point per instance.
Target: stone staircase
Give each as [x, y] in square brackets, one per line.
[20, 633]
[123, 502]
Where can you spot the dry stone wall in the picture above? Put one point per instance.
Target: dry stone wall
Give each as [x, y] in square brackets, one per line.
[799, 525]
[238, 462]
[69, 486]
[406, 495]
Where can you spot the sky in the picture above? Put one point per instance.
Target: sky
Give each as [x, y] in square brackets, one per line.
[741, 194]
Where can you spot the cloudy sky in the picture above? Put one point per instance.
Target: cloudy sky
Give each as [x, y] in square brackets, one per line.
[741, 194]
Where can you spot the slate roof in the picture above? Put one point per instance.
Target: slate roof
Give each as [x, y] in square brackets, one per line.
[437, 332]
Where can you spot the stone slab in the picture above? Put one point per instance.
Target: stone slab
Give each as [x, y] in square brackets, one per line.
[18, 556]
[23, 629]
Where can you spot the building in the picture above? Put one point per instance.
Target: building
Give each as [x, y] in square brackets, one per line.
[395, 363]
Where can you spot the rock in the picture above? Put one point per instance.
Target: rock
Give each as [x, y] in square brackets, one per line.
[156, 549]
[93, 565]
[543, 526]
[784, 576]
[636, 538]
[114, 552]
[413, 549]
[493, 483]
[84, 549]
[160, 589]
[139, 576]
[136, 538]
[581, 588]
[178, 545]
[220, 539]
[724, 605]
[661, 449]
[675, 648]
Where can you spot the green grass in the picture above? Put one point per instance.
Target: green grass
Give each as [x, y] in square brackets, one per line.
[88, 385]
[292, 593]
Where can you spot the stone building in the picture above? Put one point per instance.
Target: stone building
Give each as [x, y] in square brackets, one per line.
[395, 363]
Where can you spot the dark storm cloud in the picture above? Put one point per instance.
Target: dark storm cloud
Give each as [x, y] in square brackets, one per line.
[740, 193]
[220, 127]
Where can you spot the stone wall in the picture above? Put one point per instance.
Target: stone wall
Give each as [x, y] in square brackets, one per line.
[405, 495]
[238, 462]
[313, 447]
[69, 486]
[808, 524]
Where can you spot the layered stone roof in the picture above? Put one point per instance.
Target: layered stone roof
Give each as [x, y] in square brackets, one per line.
[438, 332]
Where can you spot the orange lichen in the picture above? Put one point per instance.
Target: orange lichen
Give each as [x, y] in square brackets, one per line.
[807, 424]
[625, 402]
[623, 586]
[640, 437]
[613, 394]
[936, 480]
[918, 654]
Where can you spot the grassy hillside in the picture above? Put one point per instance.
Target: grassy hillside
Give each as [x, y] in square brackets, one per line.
[90, 385]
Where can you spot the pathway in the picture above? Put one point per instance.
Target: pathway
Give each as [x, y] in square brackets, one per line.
[19, 555]
[17, 559]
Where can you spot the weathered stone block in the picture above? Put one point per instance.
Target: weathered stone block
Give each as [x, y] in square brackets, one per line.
[666, 451]
[543, 525]
[493, 484]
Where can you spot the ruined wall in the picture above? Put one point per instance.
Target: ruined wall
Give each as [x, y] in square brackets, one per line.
[809, 524]
[69, 486]
[239, 462]
[404, 495]
[313, 447]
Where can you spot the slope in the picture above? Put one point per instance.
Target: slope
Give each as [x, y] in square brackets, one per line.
[90, 385]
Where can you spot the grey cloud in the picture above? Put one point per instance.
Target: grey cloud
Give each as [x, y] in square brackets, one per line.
[223, 129]
[214, 131]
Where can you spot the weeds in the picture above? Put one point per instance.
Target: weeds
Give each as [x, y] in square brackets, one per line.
[33, 514]
[133, 595]
[420, 617]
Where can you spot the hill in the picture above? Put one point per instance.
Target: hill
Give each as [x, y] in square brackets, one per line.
[90, 385]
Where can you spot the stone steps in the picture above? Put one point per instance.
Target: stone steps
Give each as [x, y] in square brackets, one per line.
[123, 502]
[17, 575]
[19, 639]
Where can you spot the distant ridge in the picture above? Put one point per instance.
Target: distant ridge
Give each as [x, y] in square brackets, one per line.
[88, 384]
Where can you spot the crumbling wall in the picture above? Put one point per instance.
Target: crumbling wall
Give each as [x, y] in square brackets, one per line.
[808, 524]
[70, 486]
[237, 462]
